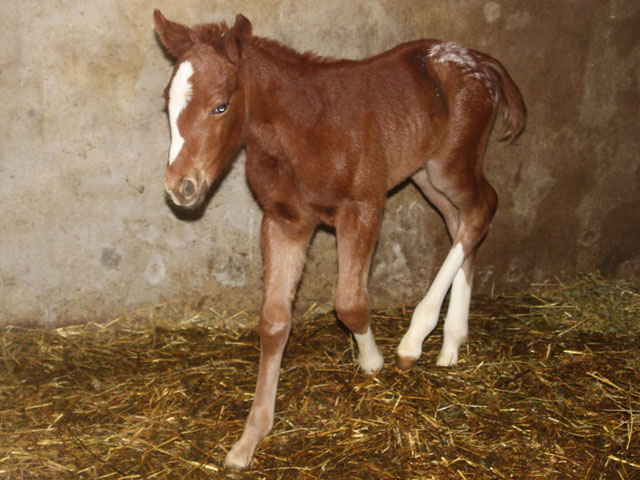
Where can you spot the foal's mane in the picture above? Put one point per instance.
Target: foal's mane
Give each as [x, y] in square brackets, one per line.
[210, 34]
[287, 54]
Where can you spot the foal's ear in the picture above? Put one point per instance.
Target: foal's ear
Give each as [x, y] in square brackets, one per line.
[233, 40]
[176, 38]
[242, 26]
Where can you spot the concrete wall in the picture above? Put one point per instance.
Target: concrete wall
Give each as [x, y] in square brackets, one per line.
[85, 231]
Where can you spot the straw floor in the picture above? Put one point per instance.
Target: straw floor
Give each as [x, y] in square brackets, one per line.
[547, 387]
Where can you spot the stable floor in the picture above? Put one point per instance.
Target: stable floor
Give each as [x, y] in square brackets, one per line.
[547, 387]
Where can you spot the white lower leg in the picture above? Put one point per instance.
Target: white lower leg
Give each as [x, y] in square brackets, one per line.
[369, 356]
[260, 419]
[425, 317]
[456, 323]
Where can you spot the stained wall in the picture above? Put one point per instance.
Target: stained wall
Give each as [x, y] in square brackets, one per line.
[85, 231]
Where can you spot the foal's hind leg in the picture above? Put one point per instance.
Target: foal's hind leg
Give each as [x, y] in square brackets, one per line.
[456, 324]
[426, 314]
[284, 247]
[357, 232]
[467, 203]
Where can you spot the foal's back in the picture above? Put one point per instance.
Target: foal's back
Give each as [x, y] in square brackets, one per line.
[375, 121]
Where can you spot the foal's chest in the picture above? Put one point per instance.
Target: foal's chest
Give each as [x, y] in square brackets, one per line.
[300, 188]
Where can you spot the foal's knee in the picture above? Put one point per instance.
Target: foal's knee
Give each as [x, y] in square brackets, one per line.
[354, 313]
[275, 325]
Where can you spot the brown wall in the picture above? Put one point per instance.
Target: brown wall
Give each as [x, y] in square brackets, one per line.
[85, 229]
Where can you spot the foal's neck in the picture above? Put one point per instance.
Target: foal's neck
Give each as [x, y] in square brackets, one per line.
[281, 100]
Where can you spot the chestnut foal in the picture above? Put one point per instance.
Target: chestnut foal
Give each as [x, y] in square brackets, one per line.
[325, 141]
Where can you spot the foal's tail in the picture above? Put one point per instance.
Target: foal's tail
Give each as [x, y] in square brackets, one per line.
[514, 111]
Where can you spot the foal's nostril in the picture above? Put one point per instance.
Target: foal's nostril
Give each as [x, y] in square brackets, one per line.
[188, 188]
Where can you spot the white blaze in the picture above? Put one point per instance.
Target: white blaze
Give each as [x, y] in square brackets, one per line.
[179, 96]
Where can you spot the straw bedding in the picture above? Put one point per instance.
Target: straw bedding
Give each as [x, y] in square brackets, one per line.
[547, 387]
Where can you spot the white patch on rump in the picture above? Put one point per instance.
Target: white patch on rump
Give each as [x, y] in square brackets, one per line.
[452, 52]
[179, 96]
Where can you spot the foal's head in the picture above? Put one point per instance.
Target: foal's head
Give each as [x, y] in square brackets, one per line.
[205, 105]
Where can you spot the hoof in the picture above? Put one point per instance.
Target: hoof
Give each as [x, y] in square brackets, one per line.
[405, 363]
[447, 358]
[371, 365]
[237, 459]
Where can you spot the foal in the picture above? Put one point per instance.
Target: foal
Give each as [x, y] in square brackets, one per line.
[325, 141]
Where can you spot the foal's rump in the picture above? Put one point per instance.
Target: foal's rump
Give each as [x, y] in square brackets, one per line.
[431, 97]
[469, 79]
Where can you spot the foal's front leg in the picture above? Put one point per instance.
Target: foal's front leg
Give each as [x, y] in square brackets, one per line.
[357, 232]
[284, 248]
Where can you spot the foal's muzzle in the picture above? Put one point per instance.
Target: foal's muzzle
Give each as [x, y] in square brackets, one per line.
[186, 192]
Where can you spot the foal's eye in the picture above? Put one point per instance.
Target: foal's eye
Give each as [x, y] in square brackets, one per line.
[219, 109]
